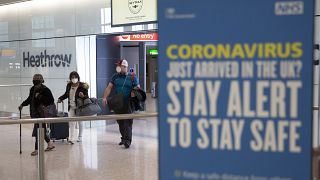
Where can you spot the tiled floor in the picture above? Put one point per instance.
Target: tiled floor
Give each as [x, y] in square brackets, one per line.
[98, 157]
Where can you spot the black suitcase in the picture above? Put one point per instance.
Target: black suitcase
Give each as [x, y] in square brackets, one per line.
[59, 130]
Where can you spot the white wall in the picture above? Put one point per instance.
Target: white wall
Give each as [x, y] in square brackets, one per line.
[15, 70]
[66, 18]
[63, 27]
[57, 27]
[58, 18]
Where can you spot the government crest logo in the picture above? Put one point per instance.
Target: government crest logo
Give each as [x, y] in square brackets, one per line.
[135, 6]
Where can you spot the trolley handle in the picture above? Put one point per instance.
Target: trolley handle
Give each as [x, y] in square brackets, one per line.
[62, 106]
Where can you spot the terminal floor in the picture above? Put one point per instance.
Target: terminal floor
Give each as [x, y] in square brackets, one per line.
[97, 157]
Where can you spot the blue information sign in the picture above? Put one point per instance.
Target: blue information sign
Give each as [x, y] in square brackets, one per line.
[235, 89]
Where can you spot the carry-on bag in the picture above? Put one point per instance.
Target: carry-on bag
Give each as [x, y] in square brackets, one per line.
[59, 130]
[87, 107]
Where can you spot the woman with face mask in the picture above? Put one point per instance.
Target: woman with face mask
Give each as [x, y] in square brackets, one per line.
[39, 95]
[74, 91]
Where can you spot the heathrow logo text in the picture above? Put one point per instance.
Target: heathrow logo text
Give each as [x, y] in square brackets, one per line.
[46, 60]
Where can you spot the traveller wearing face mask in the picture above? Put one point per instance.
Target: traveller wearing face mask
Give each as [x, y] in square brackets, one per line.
[123, 82]
[39, 95]
[74, 90]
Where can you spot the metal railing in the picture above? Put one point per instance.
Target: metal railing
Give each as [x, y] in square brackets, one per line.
[41, 133]
[14, 85]
[8, 121]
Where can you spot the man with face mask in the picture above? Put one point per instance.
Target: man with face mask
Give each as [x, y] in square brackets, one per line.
[39, 95]
[75, 90]
[123, 82]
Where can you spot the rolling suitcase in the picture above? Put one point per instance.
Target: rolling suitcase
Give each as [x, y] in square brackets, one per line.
[59, 130]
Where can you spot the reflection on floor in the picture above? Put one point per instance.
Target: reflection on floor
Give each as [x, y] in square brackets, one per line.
[97, 157]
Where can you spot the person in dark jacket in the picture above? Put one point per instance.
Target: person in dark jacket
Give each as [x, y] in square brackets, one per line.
[39, 95]
[123, 82]
[75, 91]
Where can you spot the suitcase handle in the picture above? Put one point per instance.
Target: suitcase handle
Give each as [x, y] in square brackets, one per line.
[58, 106]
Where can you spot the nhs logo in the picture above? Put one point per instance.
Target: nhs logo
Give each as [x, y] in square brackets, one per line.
[289, 8]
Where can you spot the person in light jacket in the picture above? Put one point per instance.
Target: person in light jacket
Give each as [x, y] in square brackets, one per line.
[75, 91]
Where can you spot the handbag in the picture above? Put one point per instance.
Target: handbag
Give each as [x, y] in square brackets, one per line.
[47, 111]
[116, 103]
[87, 107]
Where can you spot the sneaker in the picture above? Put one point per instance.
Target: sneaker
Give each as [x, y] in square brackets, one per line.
[121, 143]
[49, 148]
[79, 139]
[70, 142]
[34, 153]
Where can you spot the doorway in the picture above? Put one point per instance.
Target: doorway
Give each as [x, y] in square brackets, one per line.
[152, 66]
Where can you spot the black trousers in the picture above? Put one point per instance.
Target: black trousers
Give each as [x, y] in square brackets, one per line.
[35, 133]
[125, 127]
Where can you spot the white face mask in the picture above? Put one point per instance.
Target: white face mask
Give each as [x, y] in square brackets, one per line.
[74, 80]
[118, 69]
